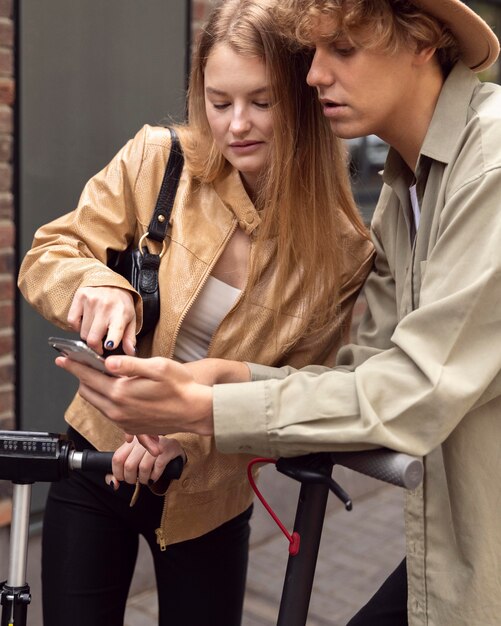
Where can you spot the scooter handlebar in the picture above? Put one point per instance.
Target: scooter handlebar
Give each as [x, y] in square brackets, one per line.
[94, 461]
[387, 465]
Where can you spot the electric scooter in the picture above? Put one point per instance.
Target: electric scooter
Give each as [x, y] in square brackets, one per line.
[313, 472]
[27, 457]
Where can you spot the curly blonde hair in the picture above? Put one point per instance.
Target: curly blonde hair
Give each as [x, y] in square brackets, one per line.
[383, 25]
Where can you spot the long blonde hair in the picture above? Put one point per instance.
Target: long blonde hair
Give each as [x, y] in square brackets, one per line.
[305, 190]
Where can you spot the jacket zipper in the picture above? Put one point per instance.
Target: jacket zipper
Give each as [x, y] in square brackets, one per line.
[159, 532]
[162, 542]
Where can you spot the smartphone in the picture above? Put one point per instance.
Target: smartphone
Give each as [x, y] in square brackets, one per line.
[77, 350]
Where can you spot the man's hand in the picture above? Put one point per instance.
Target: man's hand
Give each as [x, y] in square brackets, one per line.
[152, 396]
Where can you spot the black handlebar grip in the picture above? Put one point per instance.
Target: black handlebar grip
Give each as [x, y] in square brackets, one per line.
[173, 470]
[392, 467]
[94, 461]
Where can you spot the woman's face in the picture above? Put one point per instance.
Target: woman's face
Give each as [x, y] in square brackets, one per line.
[237, 103]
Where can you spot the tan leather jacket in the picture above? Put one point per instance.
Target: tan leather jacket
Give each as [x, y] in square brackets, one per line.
[115, 208]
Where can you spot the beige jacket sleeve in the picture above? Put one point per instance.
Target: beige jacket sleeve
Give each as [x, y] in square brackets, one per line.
[414, 380]
[71, 251]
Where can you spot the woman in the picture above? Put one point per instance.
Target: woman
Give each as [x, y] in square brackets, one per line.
[265, 259]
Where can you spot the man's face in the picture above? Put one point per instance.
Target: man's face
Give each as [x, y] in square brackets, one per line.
[362, 91]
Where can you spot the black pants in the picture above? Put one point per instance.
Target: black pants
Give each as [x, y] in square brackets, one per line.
[89, 548]
[388, 606]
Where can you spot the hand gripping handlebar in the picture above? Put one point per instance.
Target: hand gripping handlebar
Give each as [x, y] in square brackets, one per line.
[29, 457]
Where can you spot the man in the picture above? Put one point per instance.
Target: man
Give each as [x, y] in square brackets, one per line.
[425, 376]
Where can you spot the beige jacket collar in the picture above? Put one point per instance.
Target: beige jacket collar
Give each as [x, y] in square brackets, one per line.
[230, 189]
[451, 114]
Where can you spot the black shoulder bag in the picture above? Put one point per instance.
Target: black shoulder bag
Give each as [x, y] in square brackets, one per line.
[137, 264]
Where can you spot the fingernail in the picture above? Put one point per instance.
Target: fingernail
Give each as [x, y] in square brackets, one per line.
[109, 344]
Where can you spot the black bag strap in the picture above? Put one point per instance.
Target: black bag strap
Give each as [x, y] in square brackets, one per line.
[167, 194]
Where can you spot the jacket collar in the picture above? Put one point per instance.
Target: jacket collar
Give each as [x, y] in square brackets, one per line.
[230, 189]
[448, 121]
[451, 114]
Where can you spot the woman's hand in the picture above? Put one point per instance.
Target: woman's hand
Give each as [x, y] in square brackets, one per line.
[104, 315]
[132, 461]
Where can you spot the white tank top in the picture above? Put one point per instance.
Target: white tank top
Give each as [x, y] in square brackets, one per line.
[209, 309]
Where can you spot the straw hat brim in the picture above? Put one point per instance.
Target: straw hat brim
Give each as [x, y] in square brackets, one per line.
[478, 44]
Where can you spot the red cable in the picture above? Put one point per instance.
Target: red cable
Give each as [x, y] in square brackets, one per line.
[294, 539]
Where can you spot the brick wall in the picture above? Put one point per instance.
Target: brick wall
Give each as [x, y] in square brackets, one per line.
[7, 233]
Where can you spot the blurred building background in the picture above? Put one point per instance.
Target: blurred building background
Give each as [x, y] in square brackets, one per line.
[77, 79]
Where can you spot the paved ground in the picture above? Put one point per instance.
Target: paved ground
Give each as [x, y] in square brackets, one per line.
[358, 550]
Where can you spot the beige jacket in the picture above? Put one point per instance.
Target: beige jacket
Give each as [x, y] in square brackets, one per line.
[426, 377]
[115, 207]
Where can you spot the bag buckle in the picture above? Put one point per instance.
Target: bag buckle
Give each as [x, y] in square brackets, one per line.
[140, 245]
